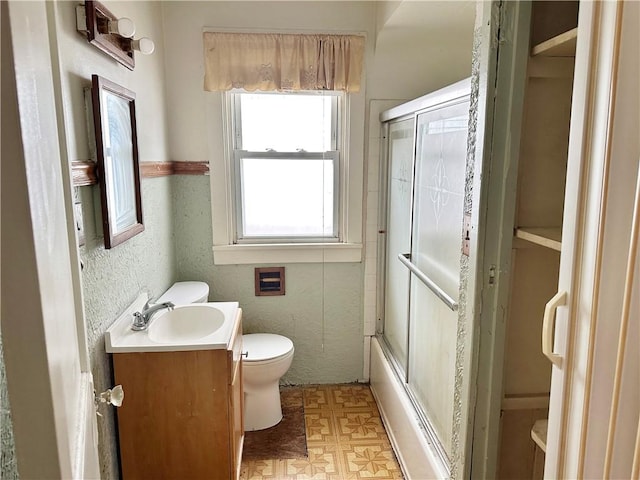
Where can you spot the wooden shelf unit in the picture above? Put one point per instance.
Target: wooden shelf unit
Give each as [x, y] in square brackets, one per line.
[539, 213]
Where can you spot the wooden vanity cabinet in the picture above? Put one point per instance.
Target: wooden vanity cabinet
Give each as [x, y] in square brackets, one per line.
[182, 412]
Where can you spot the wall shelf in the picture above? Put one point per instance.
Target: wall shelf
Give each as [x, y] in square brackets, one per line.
[539, 433]
[546, 237]
[563, 45]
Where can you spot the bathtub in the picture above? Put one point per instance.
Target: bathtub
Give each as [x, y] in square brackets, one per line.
[417, 457]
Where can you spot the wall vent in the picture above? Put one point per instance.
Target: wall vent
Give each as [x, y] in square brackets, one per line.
[269, 281]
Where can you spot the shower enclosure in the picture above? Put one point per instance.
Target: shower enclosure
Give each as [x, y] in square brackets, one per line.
[422, 222]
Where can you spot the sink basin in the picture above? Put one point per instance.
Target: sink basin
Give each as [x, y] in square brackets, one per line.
[198, 326]
[185, 324]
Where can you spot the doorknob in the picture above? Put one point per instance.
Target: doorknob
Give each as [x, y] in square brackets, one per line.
[113, 396]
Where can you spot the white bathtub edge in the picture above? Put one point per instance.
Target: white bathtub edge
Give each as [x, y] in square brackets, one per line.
[416, 458]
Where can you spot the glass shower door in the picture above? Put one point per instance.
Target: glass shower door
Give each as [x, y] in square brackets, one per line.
[441, 147]
[400, 186]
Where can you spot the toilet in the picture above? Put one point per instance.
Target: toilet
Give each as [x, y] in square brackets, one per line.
[267, 357]
[183, 293]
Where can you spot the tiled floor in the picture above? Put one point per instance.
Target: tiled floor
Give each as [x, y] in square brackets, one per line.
[345, 438]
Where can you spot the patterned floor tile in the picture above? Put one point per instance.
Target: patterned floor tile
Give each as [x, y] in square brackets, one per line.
[345, 438]
[357, 426]
[316, 397]
[322, 463]
[259, 469]
[353, 396]
[320, 427]
[370, 461]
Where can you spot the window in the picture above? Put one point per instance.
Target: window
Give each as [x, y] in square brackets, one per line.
[286, 167]
[287, 176]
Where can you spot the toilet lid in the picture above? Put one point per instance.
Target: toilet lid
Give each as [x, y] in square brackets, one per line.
[265, 346]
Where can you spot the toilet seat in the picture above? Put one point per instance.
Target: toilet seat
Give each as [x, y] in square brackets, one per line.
[262, 348]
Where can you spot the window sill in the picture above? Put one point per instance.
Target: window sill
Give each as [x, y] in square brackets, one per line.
[287, 253]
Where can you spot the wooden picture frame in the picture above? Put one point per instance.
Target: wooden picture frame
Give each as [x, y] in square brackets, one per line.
[114, 118]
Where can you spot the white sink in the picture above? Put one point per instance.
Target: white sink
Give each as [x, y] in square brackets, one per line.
[201, 326]
[185, 324]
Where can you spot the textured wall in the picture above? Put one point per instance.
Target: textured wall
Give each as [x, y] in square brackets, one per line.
[321, 311]
[461, 402]
[464, 369]
[8, 461]
[111, 281]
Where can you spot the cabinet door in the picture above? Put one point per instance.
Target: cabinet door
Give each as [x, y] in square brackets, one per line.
[588, 436]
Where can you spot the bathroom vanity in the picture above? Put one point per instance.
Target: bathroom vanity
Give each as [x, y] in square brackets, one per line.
[182, 416]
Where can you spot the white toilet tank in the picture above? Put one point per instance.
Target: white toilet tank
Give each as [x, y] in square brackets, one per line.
[183, 293]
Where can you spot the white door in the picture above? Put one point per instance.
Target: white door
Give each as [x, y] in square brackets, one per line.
[48, 372]
[593, 383]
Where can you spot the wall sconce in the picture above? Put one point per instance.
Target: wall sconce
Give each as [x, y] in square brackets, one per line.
[143, 45]
[110, 34]
[123, 26]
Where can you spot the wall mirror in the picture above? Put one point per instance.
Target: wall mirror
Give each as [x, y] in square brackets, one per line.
[114, 120]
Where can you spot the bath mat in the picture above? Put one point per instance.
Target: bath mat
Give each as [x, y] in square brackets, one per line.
[286, 440]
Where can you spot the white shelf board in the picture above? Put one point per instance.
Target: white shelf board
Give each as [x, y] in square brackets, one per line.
[546, 237]
[563, 45]
[539, 433]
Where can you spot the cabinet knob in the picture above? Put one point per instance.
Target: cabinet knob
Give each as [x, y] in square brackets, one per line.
[245, 354]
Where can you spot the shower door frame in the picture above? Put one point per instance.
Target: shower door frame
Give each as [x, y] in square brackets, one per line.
[447, 97]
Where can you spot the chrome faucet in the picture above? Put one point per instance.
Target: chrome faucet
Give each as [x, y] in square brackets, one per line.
[141, 320]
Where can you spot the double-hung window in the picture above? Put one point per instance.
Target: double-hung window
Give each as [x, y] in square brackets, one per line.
[287, 162]
[286, 167]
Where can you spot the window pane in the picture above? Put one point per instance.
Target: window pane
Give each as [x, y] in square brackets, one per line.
[286, 123]
[287, 198]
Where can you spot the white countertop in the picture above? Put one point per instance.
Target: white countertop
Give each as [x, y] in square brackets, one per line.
[119, 338]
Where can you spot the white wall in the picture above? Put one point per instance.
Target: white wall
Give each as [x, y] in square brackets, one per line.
[421, 46]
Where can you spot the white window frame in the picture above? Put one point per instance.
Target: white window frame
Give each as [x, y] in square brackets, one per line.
[239, 153]
[347, 248]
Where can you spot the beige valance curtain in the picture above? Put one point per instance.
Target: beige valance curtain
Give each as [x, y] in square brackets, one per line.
[272, 61]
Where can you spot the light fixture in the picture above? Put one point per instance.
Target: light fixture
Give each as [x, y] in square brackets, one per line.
[119, 26]
[110, 34]
[143, 45]
[122, 26]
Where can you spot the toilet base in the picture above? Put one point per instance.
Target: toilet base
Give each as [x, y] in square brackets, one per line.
[262, 408]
